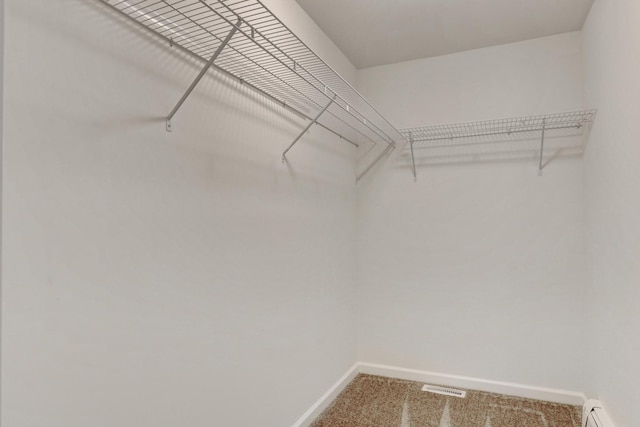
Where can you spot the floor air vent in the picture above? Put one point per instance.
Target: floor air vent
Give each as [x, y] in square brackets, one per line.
[444, 390]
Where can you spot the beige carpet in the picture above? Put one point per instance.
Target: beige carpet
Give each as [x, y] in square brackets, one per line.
[371, 401]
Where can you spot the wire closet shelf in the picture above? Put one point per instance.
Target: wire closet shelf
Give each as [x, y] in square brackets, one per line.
[541, 127]
[243, 40]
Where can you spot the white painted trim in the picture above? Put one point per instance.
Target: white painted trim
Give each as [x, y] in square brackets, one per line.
[511, 389]
[500, 387]
[593, 408]
[326, 399]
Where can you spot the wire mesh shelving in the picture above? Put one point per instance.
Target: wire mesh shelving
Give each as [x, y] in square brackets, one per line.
[541, 127]
[244, 40]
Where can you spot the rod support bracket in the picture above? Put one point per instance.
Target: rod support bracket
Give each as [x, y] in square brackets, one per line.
[169, 126]
[314, 120]
[203, 71]
[413, 159]
[540, 165]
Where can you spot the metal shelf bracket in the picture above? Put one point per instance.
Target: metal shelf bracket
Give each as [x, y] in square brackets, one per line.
[200, 75]
[544, 125]
[284, 154]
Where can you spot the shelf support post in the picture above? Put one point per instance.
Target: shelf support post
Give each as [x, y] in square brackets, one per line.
[413, 158]
[201, 74]
[544, 125]
[315, 119]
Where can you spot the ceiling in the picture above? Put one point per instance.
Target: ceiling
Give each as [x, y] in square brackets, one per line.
[377, 32]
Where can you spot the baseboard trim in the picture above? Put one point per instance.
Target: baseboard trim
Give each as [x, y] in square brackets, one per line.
[326, 399]
[511, 389]
[500, 387]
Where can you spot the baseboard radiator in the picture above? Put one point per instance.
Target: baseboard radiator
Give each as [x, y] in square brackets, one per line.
[593, 415]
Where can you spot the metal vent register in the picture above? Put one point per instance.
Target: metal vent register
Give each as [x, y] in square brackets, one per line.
[447, 391]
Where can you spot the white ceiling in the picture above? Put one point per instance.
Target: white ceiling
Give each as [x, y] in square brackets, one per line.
[377, 32]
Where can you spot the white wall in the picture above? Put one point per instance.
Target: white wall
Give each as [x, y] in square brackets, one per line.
[612, 178]
[190, 278]
[297, 20]
[155, 278]
[515, 79]
[478, 268]
[1, 144]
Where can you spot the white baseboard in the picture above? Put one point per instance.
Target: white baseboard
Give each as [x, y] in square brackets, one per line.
[511, 389]
[326, 399]
[500, 387]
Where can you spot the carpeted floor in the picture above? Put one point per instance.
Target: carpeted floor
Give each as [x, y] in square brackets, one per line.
[371, 401]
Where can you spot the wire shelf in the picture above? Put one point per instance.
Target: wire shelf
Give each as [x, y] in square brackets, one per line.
[563, 131]
[253, 46]
[557, 124]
